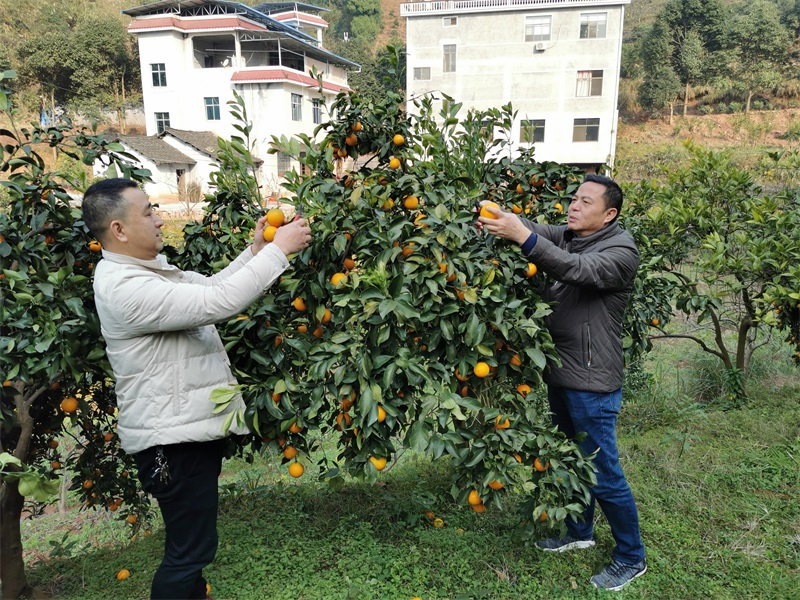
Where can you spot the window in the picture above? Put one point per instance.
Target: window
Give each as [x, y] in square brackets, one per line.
[449, 58]
[304, 168]
[284, 163]
[316, 111]
[593, 25]
[449, 21]
[537, 29]
[162, 122]
[159, 74]
[531, 131]
[212, 108]
[297, 107]
[586, 130]
[179, 173]
[590, 83]
[422, 73]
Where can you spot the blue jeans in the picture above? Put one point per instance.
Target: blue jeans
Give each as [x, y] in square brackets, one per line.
[574, 411]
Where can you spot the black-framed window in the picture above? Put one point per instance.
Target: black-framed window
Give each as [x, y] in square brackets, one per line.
[159, 71]
[316, 111]
[162, 121]
[586, 130]
[531, 131]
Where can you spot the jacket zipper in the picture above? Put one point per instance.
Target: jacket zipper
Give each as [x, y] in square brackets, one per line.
[589, 342]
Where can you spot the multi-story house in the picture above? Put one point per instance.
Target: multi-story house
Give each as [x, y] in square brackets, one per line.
[195, 53]
[556, 61]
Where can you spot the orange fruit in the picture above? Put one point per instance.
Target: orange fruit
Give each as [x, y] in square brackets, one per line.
[381, 414]
[69, 404]
[55, 465]
[558, 208]
[411, 202]
[88, 484]
[95, 246]
[338, 278]
[53, 444]
[296, 469]
[499, 423]
[531, 270]
[295, 428]
[523, 389]
[408, 249]
[481, 369]
[108, 437]
[302, 328]
[537, 181]
[654, 322]
[277, 341]
[388, 204]
[276, 397]
[326, 316]
[518, 458]
[495, 485]
[275, 217]
[318, 332]
[543, 516]
[474, 498]
[519, 189]
[430, 514]
[485, 211]
[537, 464]
[357, 126]
[131, 519]
[398, 139]
[479, 508]
[419, 220]
[290, 452]
[394, 163]
[516, 360]
[437, 522]
[299, 304]
[349, 263]
[269, 232]
[516, 209]
[123, 574]
[7, 383]
[343, 416]
[378, 462]
[351, 139]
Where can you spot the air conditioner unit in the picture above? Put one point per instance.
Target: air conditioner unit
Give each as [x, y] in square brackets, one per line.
[538, 47]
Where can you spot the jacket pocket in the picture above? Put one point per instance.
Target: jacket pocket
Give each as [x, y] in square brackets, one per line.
[588, 346]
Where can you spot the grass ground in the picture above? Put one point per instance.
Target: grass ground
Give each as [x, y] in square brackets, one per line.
[717, 492]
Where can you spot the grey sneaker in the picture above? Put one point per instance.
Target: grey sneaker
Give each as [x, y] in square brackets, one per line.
[616, 575]
[563, 544]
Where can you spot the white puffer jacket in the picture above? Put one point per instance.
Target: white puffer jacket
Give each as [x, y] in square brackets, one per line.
[166, 354]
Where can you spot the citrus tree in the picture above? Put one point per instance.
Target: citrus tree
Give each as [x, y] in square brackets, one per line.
[400, 327]
[56, 395]
[722, 251]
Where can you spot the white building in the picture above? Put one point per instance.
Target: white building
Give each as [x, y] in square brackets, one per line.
[195, 53]
[556, 61]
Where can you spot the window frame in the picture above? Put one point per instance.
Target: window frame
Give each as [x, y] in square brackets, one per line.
[594, 82]
[449, 66]
[421, 69]
[538, 131]
[453, 21]
[212, 108]
[316, 111]
[297, 107]
[159, 75]
[586, 27]
[587, 127]
[162, 121]
[537, 37]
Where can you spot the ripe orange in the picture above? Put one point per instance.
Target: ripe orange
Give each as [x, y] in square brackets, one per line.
[499, 423]
[108, 436]
[430, 514]
[518, 458]
[299, 304]
[496, 485]
[7, 383]
[408, 249]
[123, 574]
[290, 452]
[295, 428]
[381, 414]
[519, 189]
[69, 404]
[481, 369]
[398, 139]
[438, 522]
[537, 182]
[269, 232]
[275, 217]
[543, 516]
[516, 360]
[654, 322]
[474, 498]
[486, 214]
[338, 278]
[558, 208]
[326, 316]
[537, 464]
[318, 332]
[349, 263]
[277, 341]
[388, 204]
[479, 508]
[53, 444]
[419, 220]
[95, 246]
[88, 484]
[378, 462]
[516, 209]
[394, 163]
[276, 397]
[523, 389]
[351, 139]
[357, 127]
[302, 328]
[411, 202]
[131, 519]
[296, 469]
[55, 465]
[343, 416]
[531, 270]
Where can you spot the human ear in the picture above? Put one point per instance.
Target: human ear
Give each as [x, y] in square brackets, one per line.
[117, 230]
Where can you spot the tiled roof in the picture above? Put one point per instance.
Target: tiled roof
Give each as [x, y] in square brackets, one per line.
[204, 141]
[156, 149]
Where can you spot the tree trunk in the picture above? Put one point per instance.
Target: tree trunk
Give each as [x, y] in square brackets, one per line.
[12, 567]
[671, 111]
[685, 98]
[747, 104]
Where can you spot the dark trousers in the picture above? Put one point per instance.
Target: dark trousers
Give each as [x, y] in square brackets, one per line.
[188, 503]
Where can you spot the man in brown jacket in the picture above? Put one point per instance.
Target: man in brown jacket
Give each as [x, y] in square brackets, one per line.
[591, 263]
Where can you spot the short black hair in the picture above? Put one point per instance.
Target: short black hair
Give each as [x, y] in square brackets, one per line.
[103, 202]
[613, 193]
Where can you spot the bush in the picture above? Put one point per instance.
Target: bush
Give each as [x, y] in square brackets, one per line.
[736, 107]
[706, 109]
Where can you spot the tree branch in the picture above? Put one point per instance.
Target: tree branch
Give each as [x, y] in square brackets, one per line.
[701, 343]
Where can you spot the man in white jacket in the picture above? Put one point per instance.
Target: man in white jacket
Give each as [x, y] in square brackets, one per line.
[158, 325]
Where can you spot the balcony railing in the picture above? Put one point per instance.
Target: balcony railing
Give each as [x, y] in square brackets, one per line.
[410, 9]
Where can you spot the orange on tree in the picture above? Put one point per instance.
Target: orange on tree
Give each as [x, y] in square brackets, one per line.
[398, 139]
[88, 484]
[558, 208]
[516, 360]
[351, 139]
[519, 189]
[394, 163]
[275, 217]
[302, 328]
[411, 202]
[277, 341]
[295, 427]
[357, 126]
[276, 397]
[95, 246]
[299, 304]
[516, 209]
[479, 508]
[378, 462]
[543, 516]
[123, 574]
[55, 465]
[518, 458]
[289, 452]
[318, 332]
[131, 519]
[381, 414]
[531, 270]
[338, 278]
[523, 389]
[349, 264]
[409, 249]
[486, 213]
[481, 369]
[53, 444]
[500, 423]
[495, 485]
[655, 322]
[296, 469]
[438, 522]
[69, 404]
[430, 514]
[343, 416]
[539, 466]
[474, 498]
[326, 316]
